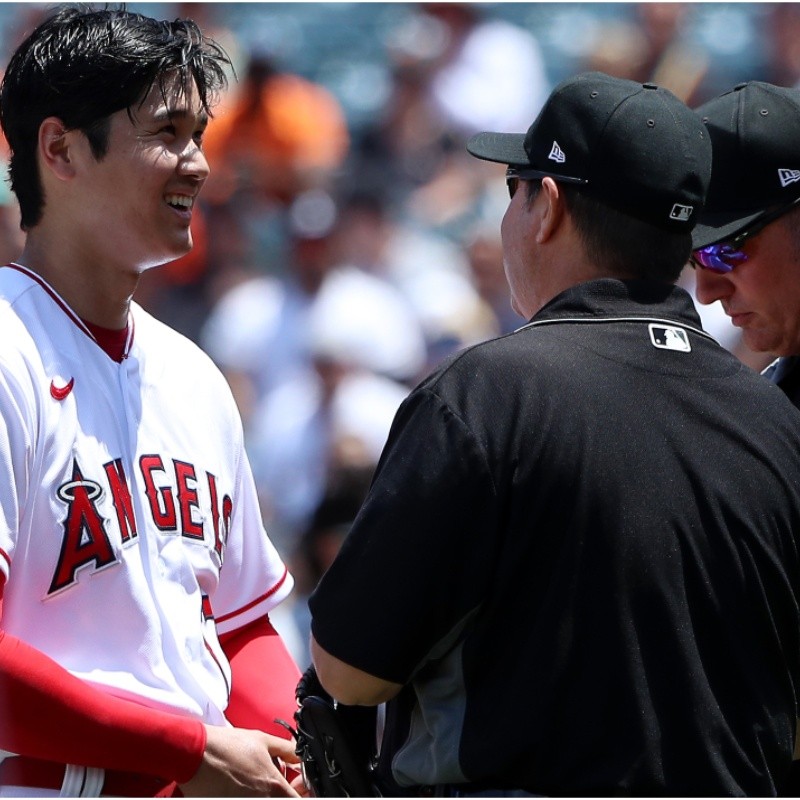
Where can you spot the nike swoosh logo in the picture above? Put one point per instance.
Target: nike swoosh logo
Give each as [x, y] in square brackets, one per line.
[60, 392]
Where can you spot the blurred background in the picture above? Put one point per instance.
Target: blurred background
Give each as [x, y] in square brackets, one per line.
[345, 242]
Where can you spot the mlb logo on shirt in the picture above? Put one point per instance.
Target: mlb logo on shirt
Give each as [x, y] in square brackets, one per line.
[668, 337]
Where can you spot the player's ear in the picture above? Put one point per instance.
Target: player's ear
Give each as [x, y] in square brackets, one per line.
[553, 211]
[54, 148]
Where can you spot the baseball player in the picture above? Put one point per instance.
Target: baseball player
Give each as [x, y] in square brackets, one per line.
[135, 574]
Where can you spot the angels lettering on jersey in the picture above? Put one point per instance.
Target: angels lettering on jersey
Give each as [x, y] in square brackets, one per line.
[172, 498]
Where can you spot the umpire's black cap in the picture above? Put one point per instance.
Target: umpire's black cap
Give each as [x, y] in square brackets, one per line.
[755, 135]
[633, 146]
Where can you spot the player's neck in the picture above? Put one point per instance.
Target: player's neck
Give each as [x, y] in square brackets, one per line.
[97, 296]
[114, 342]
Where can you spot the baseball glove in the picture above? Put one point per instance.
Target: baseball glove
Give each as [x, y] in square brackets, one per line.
[335, 743]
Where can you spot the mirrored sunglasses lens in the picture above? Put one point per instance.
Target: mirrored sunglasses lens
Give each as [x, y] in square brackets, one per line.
[720, 258]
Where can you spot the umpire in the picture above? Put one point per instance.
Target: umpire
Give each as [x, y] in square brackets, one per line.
[576, 571]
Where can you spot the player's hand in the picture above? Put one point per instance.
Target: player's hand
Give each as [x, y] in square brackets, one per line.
[240, 763]
[299, 785]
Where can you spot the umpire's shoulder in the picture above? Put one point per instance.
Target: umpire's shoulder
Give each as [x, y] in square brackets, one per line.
[522, 348]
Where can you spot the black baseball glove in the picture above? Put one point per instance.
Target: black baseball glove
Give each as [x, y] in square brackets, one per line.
[336, 744]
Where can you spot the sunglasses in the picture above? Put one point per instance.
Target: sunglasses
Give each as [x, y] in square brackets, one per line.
[514, 175]
[723, 257]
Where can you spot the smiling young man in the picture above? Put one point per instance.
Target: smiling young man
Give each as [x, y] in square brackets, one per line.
[576, 570]
[747, 242]
[135, 575]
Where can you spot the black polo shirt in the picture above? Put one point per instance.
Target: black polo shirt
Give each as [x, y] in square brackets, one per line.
[580, 554]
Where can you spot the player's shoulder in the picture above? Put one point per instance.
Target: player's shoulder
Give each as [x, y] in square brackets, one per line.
[14, 284]
[19, 307]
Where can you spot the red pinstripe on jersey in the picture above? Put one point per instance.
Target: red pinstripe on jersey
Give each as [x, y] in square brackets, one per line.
[61, 303]
[258, 600]
[56, 297]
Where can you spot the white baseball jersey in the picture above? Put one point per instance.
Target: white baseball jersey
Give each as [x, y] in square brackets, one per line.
[128, 513]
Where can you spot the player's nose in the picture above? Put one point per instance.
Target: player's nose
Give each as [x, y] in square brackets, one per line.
[193, 163]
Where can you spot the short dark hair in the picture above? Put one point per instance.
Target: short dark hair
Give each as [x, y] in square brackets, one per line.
[621, 244]
[82, 65]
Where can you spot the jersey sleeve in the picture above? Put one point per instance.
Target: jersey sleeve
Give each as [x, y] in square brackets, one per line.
[416, 564]
[49, 713]
[253, 578]
[264, 678]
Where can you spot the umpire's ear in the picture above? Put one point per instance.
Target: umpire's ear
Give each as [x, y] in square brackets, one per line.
[54, 148]
[553, 211]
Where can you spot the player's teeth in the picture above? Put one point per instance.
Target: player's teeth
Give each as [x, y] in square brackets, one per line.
[179, 200]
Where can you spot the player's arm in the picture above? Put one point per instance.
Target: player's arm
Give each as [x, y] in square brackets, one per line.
[50, 714]
[350, 685]
[264, 677]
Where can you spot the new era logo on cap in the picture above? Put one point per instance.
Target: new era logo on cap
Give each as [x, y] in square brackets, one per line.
[788, 176]
[557, 154]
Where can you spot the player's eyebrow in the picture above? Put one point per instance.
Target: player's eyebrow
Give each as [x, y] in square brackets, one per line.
[168, 115]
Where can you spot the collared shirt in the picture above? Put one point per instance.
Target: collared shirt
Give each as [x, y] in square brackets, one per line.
[785, 373]
[579, 554]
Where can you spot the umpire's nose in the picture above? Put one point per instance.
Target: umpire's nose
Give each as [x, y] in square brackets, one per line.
[711, 286]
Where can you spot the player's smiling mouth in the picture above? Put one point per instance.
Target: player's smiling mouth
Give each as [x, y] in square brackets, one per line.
[182, 202]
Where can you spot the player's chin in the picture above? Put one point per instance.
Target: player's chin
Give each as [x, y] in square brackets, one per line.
[164, 257]
[180, 245]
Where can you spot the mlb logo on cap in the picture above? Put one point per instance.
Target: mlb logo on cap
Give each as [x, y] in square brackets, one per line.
[681, 213]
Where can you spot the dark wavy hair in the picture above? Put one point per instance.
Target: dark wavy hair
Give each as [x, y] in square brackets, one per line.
[82, 65]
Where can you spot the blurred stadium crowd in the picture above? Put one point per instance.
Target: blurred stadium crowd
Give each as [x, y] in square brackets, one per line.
[346, 243]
